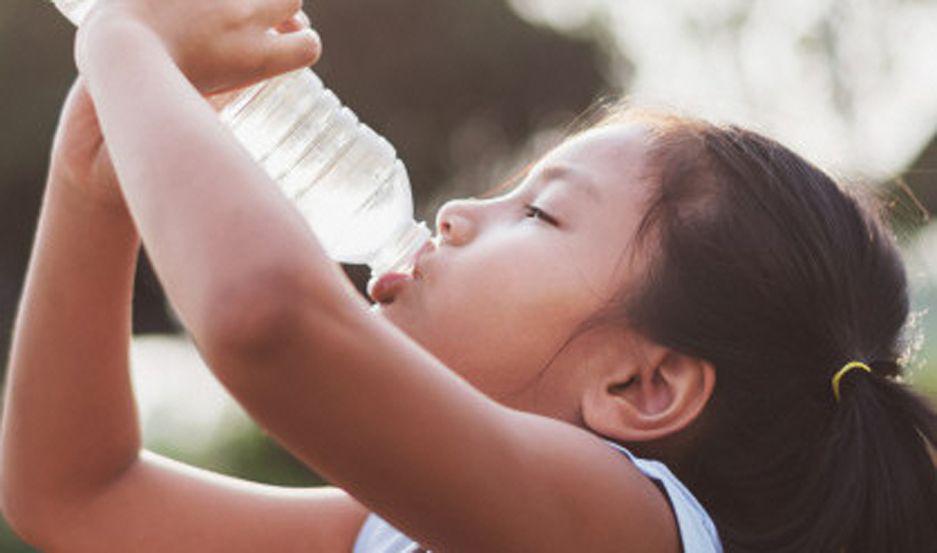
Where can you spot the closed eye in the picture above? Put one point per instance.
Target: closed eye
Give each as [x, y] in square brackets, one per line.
[534, 211]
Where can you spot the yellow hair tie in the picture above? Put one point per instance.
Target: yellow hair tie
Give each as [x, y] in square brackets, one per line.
[842, 372]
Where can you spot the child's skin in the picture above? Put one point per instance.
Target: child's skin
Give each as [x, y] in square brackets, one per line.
[456, 467]
[519, 285]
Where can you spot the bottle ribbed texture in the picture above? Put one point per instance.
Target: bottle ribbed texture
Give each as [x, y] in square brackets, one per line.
[344, 178]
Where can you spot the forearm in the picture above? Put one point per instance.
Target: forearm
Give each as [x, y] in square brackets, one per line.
[69, 420]
[219, 232]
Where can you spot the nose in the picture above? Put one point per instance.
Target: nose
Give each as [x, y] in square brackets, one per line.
[455, 223]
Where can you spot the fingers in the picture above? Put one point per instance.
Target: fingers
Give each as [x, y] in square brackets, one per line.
[275, 12]
[291, 51]
[298, 22]
[304, 18]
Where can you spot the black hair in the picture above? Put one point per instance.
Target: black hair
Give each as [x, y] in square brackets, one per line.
[763, 265]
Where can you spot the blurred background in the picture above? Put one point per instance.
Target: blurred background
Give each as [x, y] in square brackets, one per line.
[468, 92]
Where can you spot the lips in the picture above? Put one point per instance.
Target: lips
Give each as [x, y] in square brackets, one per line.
[428, 247]
[386, 288]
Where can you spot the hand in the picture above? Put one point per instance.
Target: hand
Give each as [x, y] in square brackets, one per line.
[219, 45]
[296, 23]
[79, 156]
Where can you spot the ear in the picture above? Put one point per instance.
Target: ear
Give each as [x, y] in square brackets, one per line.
[647, 393]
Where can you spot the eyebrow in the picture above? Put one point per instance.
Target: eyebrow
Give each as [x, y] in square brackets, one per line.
[577, 179]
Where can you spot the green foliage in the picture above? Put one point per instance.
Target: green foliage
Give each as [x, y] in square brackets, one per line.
[249, 454]
[9, 543]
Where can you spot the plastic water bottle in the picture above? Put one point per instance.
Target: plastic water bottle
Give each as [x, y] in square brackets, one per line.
[345, 179]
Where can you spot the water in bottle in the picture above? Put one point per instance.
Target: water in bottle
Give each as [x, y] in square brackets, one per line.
[346, 179]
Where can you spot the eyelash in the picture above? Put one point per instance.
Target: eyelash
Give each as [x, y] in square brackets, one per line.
[532, 210]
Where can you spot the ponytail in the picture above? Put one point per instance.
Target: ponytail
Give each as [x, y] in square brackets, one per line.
[758, 262]
[876, 475]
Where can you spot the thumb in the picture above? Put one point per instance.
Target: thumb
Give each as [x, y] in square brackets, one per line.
[286, 52]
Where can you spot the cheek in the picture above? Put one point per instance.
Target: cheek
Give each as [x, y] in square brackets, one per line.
[502, 295]
[528, 315]
[494, 319]
[496, 298]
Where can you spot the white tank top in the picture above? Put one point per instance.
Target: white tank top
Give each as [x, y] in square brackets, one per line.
[697, 531]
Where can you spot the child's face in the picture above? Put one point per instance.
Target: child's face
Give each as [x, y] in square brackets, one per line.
[503, 291]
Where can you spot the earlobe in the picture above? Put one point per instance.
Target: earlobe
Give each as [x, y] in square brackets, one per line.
[649, 400]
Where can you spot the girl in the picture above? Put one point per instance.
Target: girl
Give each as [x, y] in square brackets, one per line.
[654, 287]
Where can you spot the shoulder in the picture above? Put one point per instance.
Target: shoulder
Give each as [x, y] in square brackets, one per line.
[577, 493]
[697, 529]
[589, 491]
[639, 502]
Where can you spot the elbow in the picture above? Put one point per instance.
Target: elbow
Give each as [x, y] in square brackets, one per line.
[38, 511]
[30, 524]
[18, 504]
[251, 320]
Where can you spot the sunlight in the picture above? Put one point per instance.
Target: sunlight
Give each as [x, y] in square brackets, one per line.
[848, 83]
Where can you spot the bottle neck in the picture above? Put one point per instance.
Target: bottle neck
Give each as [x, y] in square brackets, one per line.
[398, 256]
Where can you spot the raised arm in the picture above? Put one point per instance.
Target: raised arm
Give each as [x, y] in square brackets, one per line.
[287, 334]
[69, 420]
[73, 475]
[204, 211]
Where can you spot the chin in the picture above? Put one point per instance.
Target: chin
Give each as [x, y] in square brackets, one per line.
[400, 316]
[392, 312]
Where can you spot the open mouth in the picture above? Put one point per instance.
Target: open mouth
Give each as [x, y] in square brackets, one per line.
[386, 288]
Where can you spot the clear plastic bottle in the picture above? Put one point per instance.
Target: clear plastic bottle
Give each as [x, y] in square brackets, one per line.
[345, 179]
